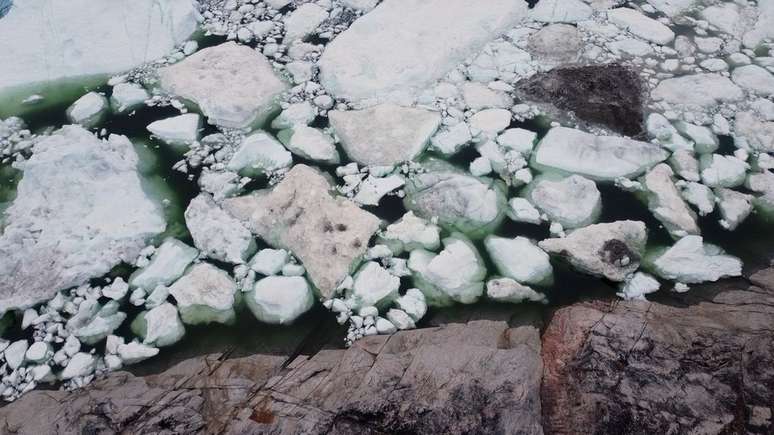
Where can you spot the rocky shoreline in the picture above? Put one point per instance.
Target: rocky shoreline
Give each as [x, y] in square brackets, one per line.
[697, 362]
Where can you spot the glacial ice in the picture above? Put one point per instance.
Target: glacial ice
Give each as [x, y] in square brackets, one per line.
[167, 265]
[455, 274]
[602, 158]
[246, 99]
[126, 34]
[690, 261]
[84, 199]
[385, 134]
[279, 299]
[205, 294]
[474, 206]
[377, 54]
[520, 259]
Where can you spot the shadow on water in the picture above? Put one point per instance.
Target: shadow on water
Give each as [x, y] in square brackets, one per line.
[315, 330]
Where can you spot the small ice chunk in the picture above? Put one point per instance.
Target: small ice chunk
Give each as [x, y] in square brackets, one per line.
[81, 364]
[127, 97]
[304, 21]
[450, 140]
[116, 290]
[373, 286]
[160, 326]
[521, 210]
[15, 352]
[755, 79]
[704, 140]
[521, 259]
[491, 121]
[373, 189]
[456, 274]
[573, 201]
[385, 134]
[311, 144]
[561, 11]
[89, 110]
[700, 196]
[107, 320]
[178, 131]
[734, 207]
[480, 166]
[723, 171]
[510, 291]
[409, 233]
[666, 204]
[384, 326]
[692, 261]
[205, 294]
[295, 114]
[640, 25]
[637, 286]
[685, 165]
[461, 202]
[413, 303]
[269, 261]
[216, 233]
[518, 139]
[664, 133]
[167, 264]
[259, 154]
[39, 352]
[400, 319]
[280, 299]
[134, 352]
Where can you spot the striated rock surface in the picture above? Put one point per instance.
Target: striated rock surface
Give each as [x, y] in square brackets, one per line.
[700, 362]
[467, 376]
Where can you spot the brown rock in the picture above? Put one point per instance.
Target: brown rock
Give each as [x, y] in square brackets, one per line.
[695, 363]
[195, 396]
[479, 377]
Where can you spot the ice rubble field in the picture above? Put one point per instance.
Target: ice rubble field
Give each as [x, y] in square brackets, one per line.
[360, 154]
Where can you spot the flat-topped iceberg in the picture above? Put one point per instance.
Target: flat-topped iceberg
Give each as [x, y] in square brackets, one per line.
[690, 260]
[460, 202]
[329, 234]
[80, 210]
[233, 85]
[602, 158]
[385, 134]
[46, 42]
[611, 250]
[380, 53]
